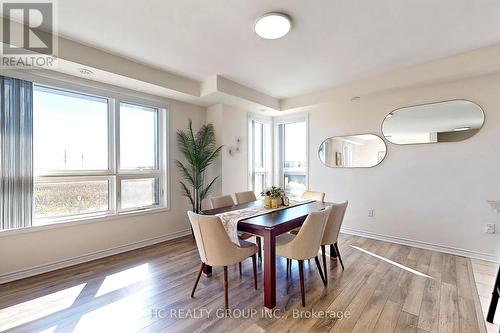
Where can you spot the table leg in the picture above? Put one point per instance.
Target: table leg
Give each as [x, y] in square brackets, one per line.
[207, 270]
[269, 270]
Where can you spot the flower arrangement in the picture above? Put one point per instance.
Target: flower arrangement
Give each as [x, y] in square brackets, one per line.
[273, 192]
[272, 197]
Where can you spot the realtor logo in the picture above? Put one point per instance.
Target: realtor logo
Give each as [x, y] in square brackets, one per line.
[28, 35]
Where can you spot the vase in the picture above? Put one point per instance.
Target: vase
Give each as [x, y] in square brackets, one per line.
[267, 202]
[275, 202]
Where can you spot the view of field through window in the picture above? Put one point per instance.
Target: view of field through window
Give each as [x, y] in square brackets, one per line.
[70, 198]
[71, 140]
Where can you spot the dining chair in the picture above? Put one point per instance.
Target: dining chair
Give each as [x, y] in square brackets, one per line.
[244, 197]
[216, 248]
[305, 245]
[222, 201]
[331, 234]
[310, 195]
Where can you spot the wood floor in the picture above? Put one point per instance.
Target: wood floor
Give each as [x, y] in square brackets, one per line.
[485, 274]
[148, 290]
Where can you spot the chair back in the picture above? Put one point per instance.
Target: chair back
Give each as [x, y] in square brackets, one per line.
[214, 245]
[334, 223]
[308, 241]
[244, 197]
[222, 201]
[317, 196]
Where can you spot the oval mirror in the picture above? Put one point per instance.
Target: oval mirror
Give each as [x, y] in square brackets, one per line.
[448, 121]
[353, 151]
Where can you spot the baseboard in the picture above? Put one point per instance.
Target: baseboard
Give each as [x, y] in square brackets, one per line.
[423, 245]
[21, 274]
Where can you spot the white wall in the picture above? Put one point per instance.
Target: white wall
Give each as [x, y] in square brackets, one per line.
[434, 193]
[25, 250]
[230, 123]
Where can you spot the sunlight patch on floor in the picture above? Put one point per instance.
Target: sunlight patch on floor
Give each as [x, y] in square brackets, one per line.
[28, 311]
[411, 270]
[128, 314]
[123, 279]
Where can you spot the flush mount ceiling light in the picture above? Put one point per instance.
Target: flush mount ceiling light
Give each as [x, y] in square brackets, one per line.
[273, 25]
[459, 129]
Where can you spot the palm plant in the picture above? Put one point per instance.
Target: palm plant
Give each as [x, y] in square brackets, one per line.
[199, 150]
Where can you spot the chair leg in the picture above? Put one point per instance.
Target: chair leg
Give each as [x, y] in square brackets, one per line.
[198, 279]
[338, 254]
[259, 246]
[254, 264]
[287, 267]
[323, 254]
[226, 299]
[301, 272]
[320, 270]
[333, 254]
[239, 265]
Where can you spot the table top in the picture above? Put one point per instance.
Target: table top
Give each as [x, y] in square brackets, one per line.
[274, 218]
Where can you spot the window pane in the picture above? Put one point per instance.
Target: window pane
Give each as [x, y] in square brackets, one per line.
[259, 145]
[295, 158]
[295, 146]
[70, 130]
[59, 199]
[138, 137]
[295, 184]
[140, 192]
[260, 183]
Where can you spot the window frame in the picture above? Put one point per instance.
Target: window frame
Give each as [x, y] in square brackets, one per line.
[279, 155]
[113, 173]
[267, 152]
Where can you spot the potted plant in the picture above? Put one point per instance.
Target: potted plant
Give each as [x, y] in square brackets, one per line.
[267, 198]
[199, 151]
[273, 197]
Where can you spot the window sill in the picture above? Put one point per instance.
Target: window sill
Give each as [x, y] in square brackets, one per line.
[83, 220]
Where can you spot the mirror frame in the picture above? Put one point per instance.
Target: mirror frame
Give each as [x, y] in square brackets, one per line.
[356, 167]
[431, 103]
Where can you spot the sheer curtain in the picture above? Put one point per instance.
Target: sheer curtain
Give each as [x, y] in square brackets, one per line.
[16, 153]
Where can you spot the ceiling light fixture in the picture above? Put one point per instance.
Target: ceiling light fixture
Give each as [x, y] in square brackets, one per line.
[273, 25]
[459, 129]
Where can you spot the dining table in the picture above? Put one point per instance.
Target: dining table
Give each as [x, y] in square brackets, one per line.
[269, 225]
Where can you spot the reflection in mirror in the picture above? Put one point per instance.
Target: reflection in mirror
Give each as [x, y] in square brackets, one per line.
[448, 121]
[354, 151]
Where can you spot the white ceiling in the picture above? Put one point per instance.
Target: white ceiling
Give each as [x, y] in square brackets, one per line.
[331, 41]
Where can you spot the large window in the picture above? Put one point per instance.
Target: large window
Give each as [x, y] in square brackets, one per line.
[292, 156]
[260, 154]
[94, 156]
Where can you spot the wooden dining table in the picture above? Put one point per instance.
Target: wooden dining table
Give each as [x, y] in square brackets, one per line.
[269, 226]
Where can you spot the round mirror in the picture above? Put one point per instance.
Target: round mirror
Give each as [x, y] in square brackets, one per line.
[353, 151]
[448, 121]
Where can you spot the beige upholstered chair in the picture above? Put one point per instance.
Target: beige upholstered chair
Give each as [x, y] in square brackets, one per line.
[244, 197]
[241, 198]
[217, 249]
[310, 195]
[305, 245]
[222, 201]
[331, 233]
